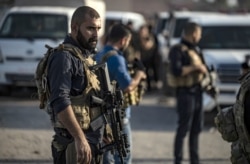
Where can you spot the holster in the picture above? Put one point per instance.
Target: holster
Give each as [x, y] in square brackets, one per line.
[61, 140]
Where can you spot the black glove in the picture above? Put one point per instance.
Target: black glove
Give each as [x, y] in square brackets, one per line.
[138, 65]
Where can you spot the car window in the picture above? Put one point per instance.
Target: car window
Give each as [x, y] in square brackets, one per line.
[109, 22]
[179, 25]
[225, 37]
[160, 25]
[34, 26]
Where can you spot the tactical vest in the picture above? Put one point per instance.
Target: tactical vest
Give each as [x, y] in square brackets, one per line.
[190, 79]
[239, 112]
[239, 109]
[81, 103]
[230, 122]
[225, 124]
[133, 97]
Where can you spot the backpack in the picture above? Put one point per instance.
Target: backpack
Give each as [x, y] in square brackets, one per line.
[225, 122]
[41, 77]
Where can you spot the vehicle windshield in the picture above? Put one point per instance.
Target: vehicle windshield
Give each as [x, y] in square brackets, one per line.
[180, 23]
[161, 23]
[34, 26]
[225, 37]
[109, 22]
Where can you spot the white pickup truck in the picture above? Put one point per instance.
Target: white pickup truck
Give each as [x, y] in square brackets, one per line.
[24, 31]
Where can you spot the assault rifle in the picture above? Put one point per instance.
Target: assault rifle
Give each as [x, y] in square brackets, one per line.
[135, 65]
[111, 101]
[209, 84]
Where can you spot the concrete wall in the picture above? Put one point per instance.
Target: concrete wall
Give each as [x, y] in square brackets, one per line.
[69, 3]
[148, 7]
[122, 5]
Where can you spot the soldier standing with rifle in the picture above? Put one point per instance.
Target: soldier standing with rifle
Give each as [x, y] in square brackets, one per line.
[186, 73]
[68, 84]
[118, 40]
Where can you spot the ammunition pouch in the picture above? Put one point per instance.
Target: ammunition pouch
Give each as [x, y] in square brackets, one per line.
[225, 123]
[182, 81]
[84, 114]
[190, 79]
[132, 98]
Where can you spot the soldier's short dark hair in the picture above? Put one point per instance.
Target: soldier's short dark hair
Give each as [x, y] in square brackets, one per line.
[190, 28]
[81, 12]
[117, 32]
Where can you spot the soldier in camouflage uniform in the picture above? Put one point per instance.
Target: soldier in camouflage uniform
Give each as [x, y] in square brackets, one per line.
[233, 123]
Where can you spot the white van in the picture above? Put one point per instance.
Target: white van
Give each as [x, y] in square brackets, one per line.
[162, 19]
[225, 43]
[179, 19]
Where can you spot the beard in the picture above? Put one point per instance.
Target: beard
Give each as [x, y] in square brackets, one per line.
[89, 44]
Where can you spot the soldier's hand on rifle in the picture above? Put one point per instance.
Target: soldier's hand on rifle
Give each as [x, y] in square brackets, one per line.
[212, 91]
[201, 68]
[108, 136]
[83, 151]
[141, 74]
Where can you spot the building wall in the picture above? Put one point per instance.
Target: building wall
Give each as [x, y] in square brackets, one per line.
[148, 6]
[122, 5]
[69, 3]
[141, 6]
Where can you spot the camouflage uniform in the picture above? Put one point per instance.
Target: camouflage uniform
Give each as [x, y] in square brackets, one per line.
[234, 125]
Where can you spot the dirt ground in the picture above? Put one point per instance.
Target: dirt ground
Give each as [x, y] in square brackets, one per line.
[26, 134]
